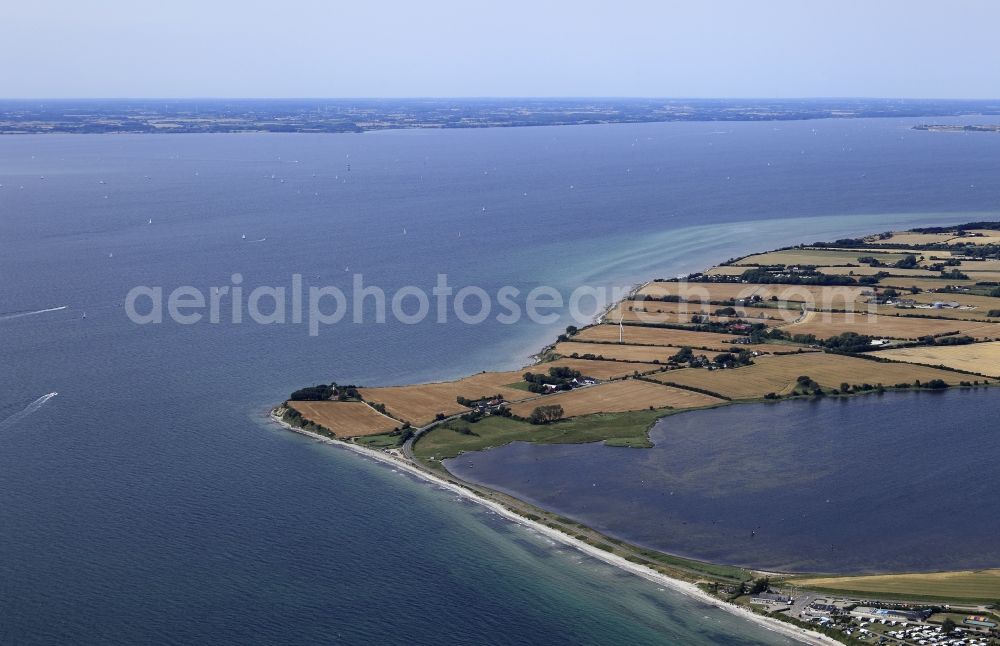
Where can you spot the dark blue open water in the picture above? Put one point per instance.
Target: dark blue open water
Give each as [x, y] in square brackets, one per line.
[149, 502]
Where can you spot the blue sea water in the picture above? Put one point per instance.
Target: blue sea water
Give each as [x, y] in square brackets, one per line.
[150, 501]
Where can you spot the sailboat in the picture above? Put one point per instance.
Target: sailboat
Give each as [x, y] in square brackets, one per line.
[244, 237]
[150, 221]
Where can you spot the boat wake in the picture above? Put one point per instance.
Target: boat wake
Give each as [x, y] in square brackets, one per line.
[17, 315]
[28, 410]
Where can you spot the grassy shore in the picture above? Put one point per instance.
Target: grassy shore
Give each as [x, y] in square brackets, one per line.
[961, 586]
[456, 437]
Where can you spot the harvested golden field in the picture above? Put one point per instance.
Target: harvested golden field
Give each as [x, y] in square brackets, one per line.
[709, 341]
[418, 404]
[346, 419]
[599, 335]
[661, 306]
[917, 311]
[778, 374]
[985, 303]
[980, 585]
[617, 397]
[983, 358]
[641, 353]
[832, 297]
[907, 237]
[943, 313]
[595, 368]
[984, 276]
[941, 254]
[825, 325]
[968, 266]
[986, 236]
[820, 257]
[929, 284]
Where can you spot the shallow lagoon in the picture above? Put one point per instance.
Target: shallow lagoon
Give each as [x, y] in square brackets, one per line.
[900, 481]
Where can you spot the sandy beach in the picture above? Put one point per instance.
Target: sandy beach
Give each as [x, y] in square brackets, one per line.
[799, 634]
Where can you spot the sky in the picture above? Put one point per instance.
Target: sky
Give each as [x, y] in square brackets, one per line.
[450, 48]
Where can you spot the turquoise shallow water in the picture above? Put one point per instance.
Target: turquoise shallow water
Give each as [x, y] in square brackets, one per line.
[150, 502]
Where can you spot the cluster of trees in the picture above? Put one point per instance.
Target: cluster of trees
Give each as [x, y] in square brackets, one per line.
[947, 340]
[756, 586]
[472, 403]
[570, 331]
[806, 277]
[666, 298]
[560, 377]
[804, 385]
[404, 433]
[323, 392]
[854, 343]
[687, 355]
[850, 242]
[546, 414]
[846, 388]
[733, 359]
[933, 384]
[940, 266]
[909, 261]
[723, 360]
[847, 342]
[873, 279]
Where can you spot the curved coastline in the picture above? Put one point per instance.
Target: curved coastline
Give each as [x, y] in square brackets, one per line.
[684, 587]
[517, 510]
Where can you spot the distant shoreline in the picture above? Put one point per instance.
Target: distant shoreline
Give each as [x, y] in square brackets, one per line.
[931, 127]
[322, 116]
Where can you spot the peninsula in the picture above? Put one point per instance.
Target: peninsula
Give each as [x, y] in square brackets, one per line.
[897, 311]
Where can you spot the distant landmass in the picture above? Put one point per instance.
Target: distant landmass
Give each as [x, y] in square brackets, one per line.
[359, 115]
[952, 128]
